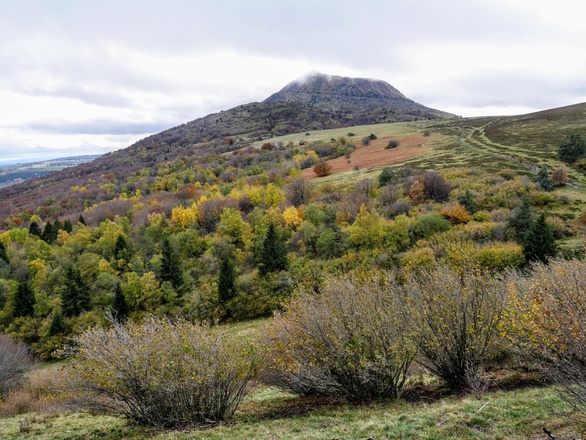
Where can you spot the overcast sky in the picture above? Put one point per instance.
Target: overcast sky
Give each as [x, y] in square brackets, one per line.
[91, 76]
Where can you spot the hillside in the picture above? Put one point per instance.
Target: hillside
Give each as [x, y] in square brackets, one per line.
[294, 109]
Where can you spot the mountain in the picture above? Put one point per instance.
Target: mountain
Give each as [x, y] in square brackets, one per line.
[314, 103]
[354, 96]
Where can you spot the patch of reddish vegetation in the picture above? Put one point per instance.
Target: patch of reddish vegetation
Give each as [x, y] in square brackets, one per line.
[375, 155]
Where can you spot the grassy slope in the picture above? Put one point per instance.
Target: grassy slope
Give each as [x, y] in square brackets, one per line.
[521, 143]
[269, 414]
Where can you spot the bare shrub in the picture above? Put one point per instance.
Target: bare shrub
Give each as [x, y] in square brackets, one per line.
[15, 360]
[435, 187]
[164, 374]
[299, 190]
[548, 312]
[455, 314]
[348, 341]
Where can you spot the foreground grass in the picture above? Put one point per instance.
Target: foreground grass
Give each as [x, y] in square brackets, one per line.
[269, 414]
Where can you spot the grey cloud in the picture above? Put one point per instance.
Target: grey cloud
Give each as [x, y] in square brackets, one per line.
[95, 127]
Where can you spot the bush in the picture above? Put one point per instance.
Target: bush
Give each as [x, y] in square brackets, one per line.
[366, 140]
[455, 315]
[428, 224]
[348, 341]
[393, 143]
[435, 187]
[548, 311]
[322, 168]
[164, 374]
[15, 360]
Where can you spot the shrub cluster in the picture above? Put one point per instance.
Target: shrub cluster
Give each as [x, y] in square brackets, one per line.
[15, 360]
[164, 374]
[344, 342]
[357, 338]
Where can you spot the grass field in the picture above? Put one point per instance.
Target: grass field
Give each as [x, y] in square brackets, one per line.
[270, 414]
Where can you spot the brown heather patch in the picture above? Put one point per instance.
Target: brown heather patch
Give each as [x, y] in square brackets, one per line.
[375, 155]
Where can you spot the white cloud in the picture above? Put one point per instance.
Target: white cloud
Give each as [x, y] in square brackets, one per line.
[96, 75]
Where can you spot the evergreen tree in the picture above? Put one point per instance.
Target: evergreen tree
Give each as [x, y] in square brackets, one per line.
[227, 280]
[468, 201]
[76, 296]
[24, 300]
[67, 226]
[3, 256]
[543, 179]
[121, 249]
[120, 306]
[170, 267]
[58, 325]
[47, 234]
[34, 229]
[522, 220]
[386, 176]
[81, 220]
[274, 253]
[572, 149]
[539, 242]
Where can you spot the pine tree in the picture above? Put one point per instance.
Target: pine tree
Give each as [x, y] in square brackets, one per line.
[34, 229]
[170, 266]
[543, 179]
[81, 220]
[121, 249]
[539, 242]
[3, 256]
[76, 296]
[227, 280]
[24, 300]
[274, 253]
[120, 306]
[47, 234]
[522, 220]
[67, 226]
[572, 149]
[58, 325]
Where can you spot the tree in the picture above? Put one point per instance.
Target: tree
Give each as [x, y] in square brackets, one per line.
[543, 179]
[119, 305]
[34, 229]
[58, 325]
[539, 242]
[227, 280]
[81, 220]
[572, 149]
[274, 253]
[75, 298]
[47, 234]
[121, 249]
[522, 220]
[298, 192]
[170, 266]
[386, 176]
[24, 300]
[3, 256]
[67, 226]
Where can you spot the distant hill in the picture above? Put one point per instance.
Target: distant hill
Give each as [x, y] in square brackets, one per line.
[16, 173]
